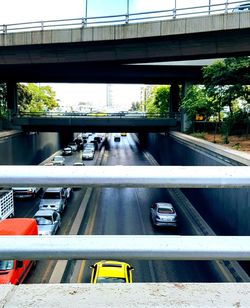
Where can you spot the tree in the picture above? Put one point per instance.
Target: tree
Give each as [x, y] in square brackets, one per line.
[158, 100]
[136, 106]
[33, 98]
[225, 83]
[3, 101]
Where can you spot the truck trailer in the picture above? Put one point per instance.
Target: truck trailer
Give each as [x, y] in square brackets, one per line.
[6, 204]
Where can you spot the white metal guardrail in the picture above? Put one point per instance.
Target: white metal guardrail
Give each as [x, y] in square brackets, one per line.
[147, 247]
[128, 17]
[127, 176]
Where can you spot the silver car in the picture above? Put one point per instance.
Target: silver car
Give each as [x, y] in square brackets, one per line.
[58, 160]
[48, 222]
[88, 154]
[163, 214]
[55, 198]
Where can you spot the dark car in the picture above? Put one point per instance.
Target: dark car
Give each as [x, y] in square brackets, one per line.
[67, 151]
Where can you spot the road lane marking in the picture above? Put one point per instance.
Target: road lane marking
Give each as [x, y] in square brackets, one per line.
[89, 231]
[60, 267]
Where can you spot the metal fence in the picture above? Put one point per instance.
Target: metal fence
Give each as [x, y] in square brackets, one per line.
[127, 18]
[97, 114]
[126, 247]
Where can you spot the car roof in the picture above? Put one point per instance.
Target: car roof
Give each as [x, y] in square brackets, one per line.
[111, 269]
[165, 204]
[44, 212]
[53, 189]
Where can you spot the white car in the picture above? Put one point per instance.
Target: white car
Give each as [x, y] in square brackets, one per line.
[88, 154]
[73, 146]
[58, 160]
[163, 214]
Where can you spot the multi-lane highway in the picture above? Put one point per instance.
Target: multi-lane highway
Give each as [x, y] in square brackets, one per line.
[116, 211]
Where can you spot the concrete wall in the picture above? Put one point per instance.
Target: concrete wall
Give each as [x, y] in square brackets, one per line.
[28, 149]
[226, 210]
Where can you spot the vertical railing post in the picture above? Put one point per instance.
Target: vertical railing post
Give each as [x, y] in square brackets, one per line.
[127, 14]
[226, 6]
[4, 29]
[174, 10]
[209, 7]
[86, 13]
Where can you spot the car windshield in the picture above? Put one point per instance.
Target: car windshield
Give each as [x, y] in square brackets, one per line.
[110, 280]
[164, 210]
[6, 265]
[51, 195]
[44, 220]
[57, 158]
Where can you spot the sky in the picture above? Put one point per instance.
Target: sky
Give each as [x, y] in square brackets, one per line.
[17, 11]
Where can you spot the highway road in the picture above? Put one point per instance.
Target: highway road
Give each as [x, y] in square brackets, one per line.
[121, 211]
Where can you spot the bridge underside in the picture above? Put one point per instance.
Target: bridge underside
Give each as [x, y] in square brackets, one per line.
[102, 124]
[99, 73]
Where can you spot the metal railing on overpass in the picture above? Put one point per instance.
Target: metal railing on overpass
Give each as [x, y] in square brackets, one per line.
[128, 247]
[95, 114]
[126, 18]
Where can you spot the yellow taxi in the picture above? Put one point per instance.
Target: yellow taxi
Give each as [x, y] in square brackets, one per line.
[124, 134]
[111, 272]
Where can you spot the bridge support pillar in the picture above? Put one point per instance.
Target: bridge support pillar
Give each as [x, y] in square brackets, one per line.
[185, 122]
[174, 98]
[12, 97]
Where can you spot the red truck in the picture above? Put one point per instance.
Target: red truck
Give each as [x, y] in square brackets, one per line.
[15, 271]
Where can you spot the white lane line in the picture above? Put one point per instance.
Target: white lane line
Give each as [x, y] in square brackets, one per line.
[60, 267]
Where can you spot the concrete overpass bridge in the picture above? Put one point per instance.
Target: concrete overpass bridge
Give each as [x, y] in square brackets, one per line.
[112, 54]
[104, 123]
[48, 55]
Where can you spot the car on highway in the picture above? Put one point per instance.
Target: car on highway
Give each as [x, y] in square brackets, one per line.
[111, 272]
[73, 146]
[55, 198]
[78, 163]
[117, 138]
[89, 146]
[163, 214]
[48, 222]
[67, 151]
[58, 160]
[25, 192]
[88, 154]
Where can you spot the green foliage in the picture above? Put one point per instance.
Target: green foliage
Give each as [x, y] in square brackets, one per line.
[158, 100]
[195, 102]
[3, 101]
[136, 106]
[198, 135]
[33, 98]
[225, 83]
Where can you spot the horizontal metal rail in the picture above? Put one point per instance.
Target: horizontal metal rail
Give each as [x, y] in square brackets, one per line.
[147, 247]
[127, 176]
[223, 7]
[56, 114]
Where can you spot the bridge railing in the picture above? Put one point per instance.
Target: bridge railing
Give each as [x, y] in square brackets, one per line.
[122, 114]
[121, 246]
[176, 12]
